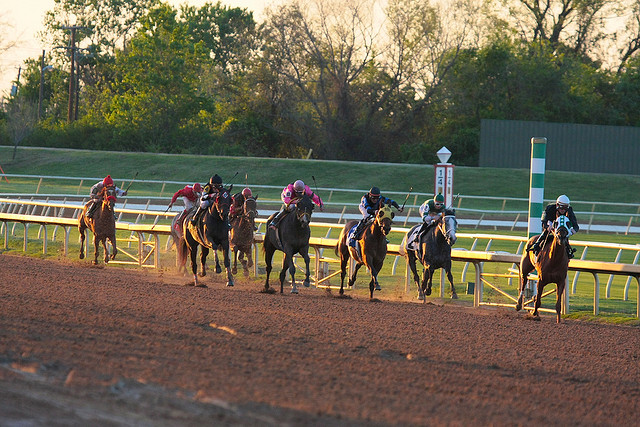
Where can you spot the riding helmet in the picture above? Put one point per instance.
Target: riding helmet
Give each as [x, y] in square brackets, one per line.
[563, 201]
[215, 180]
[107, 181]
[439, 198]
[298, 186]
[374, 193]
[197, 187]
[246, 192]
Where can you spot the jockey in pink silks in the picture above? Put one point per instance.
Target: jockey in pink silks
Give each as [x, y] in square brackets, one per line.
[290, 196]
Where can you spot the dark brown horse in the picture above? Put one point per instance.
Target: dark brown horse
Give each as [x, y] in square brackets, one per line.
[241, 234]
[211, 232]
[551, 264]
[433, 250]
[371, 250]
[291, 237]
[102, 224]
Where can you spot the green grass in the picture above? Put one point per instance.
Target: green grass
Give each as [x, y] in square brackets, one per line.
[394, 179]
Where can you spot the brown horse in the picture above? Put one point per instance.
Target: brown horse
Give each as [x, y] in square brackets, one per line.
[102, 225]
[371, 251]
[434, 252]
[551, 264]
[241, 234]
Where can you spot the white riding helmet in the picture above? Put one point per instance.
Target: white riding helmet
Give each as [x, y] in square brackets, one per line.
[298, 186]
[563, 201]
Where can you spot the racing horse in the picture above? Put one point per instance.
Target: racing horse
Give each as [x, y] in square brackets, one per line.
[551, 264]
[102, 224]
[433, 250]
[241, 234]
[371, 251]
[211, 232]
[291, 237]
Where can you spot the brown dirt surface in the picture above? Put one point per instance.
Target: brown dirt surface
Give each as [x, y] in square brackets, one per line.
[110, 346]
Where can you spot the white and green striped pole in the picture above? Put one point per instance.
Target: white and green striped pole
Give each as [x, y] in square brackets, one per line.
[536, 184]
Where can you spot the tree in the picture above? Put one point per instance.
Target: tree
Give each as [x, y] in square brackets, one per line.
[22, 116]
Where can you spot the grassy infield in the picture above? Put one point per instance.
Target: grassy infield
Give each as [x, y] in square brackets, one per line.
[392, 178]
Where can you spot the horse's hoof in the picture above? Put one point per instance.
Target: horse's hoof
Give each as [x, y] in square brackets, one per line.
[268, 291]
[454, 296]
[518, 307]
[218, 269]
[246, 273]
[201, 285]
[230, 284]
[202, 274]
[81, 256]
[234, 270]
[420, 297]
[294, 290]
[378, 288]
[95, 262]
[427, 292]
[306, 283]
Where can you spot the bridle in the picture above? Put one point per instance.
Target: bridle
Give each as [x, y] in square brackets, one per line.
[448, 224]
[561, 223]
[249, 212]
[221, 204]
[384, 213]
[304, 209]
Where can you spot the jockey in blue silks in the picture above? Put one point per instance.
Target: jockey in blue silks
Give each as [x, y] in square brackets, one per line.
[369, 205]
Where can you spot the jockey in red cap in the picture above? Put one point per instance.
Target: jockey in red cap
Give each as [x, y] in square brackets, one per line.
[190, 195]
[96, 191]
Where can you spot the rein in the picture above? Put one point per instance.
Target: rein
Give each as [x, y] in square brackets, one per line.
[446, 231]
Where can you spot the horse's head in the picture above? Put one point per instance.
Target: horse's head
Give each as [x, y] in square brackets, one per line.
[109, 197]
[250, 208]
[384, 218]
[221, 204]
[560, 229]
[304, 209]
[449, 225]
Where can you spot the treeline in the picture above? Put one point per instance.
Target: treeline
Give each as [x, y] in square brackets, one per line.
[322, 78]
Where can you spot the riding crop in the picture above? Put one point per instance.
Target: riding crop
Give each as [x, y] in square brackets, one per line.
[134, 178]
[406, 198]
[316, 185]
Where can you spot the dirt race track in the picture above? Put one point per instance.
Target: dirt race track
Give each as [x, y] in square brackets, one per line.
[83, 345]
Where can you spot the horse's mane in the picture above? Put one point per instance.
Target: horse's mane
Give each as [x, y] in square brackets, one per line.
[450, 212]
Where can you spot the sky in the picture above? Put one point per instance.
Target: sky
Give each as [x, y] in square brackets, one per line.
[21, 20]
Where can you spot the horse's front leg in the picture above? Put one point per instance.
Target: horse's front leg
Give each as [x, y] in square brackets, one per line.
[215, 255]
[454, 295]
[81, 229]
[203, 260]
[193, 255]
[559, 295]
[373, 284]
[112, 239]
[535, 315]
[96, 244]
[227, 264]
[235, 251]
[305, 256]
[427, 281]
[288, 264]
[106, 250]
[352, 279]
[411, 260]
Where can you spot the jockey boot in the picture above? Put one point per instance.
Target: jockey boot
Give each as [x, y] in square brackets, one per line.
[357, 232]
[276, 220]
[92, 209]
[537, 244]
[196, 216]
[570, 251]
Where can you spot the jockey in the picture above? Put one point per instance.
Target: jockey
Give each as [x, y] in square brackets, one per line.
[369, 205]
[562, 206]
[290, 196]
[237, 202]
[430, 211]
[190, 195]
[210, 191]
[95, 194]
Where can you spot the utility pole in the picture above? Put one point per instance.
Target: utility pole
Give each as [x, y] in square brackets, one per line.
[41, 86]
[72, 48]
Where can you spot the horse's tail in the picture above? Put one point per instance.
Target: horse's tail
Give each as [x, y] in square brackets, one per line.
[181, 248]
